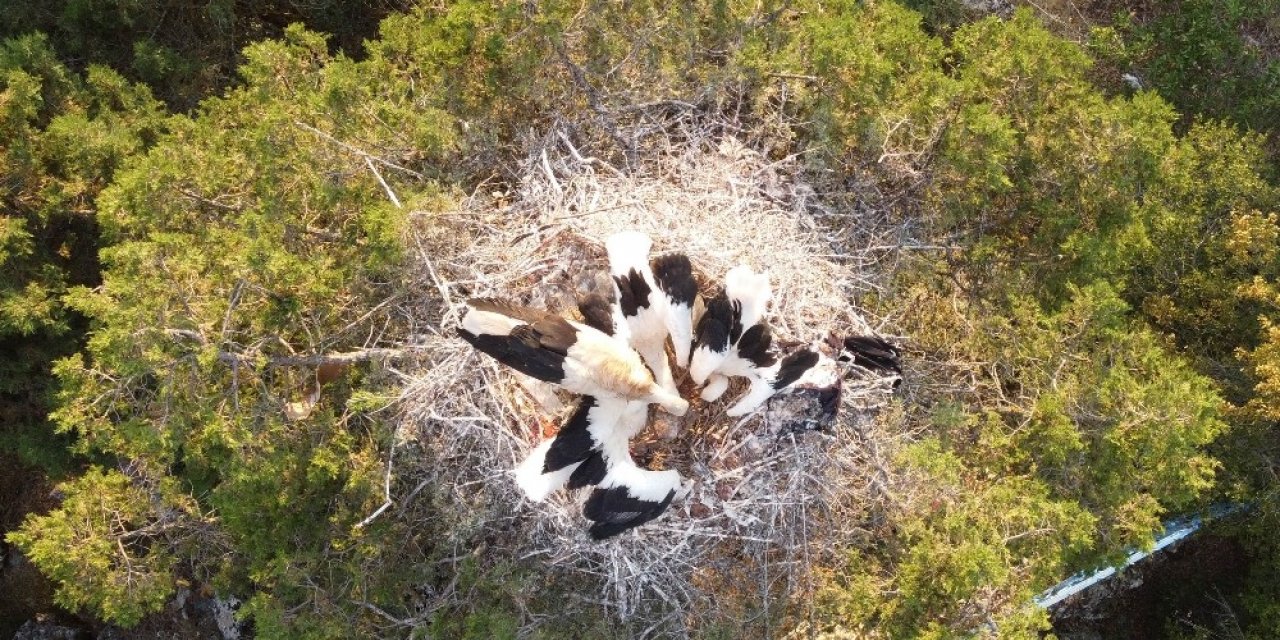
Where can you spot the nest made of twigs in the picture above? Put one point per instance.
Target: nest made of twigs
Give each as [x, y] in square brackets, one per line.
[764, 505]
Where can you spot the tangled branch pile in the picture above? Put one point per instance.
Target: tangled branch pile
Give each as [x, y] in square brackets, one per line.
[764, 498]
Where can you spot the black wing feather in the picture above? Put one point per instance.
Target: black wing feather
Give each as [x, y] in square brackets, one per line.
[674, 274]
[793, 366]
[519, 354]
[574, 442]
[509, 309]
[735, 321]
[590, 473]
[755, 346]
[876, 354]
[714, 325]
[597, 313]
[633, 292]
[536, 348]
[614, 511]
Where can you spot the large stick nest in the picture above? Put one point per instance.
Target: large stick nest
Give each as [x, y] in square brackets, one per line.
[766, 505]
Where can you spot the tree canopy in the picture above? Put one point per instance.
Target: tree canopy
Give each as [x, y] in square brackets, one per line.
[206, 306]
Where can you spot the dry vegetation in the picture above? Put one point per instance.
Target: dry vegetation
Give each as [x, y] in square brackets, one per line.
[763, 501]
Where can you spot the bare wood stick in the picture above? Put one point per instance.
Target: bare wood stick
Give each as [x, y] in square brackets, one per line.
[593, 99]
[591, 160]
[386, 481]
[357, 150]
[551, 175]
[349, 357]
[385, 187]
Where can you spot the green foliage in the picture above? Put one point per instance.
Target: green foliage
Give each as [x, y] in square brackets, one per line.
[1206, 268]
[249, 234]
[970, 552]
[888, 89]
[1084, 400]
[63, 137]
[1099, 266]
[1211, 58]
[1102, 413]
[1027, 163]
[1075, 432]
[259, 231]
[1047, 187]
[184, 52]
[103, 546]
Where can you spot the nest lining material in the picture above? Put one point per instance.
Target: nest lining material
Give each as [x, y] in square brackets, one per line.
[763, 504]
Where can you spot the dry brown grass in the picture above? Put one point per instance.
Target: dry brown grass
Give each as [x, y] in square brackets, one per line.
[764, 507]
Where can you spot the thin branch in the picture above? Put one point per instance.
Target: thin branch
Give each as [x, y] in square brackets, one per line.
[357, 150]
[551, 175]
[316, 360]
[593, 99]
[211, 202]
[1032, 532]
[386, 480]
[189, 334]
[591, 160]
[385, 187]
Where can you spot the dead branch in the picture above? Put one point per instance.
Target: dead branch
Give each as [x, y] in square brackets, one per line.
[316, 360]
[358, 151]
[385, 187]
[606, 119]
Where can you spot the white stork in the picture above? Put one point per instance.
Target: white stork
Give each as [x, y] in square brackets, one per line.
[754, 357]
[805, 366]
[643, 309]
[808, 367]
[628, 496]
[674, 275]
[575, 356]
[728, 316]
[592, 449]
[574, 455]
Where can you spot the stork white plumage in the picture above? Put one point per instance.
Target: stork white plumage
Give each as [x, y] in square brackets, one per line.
[575, 356]
[674, 275]
[627, 496]
[593, 448]
[643, 309]
[780, 374]
[717, 384]
[738, 308]
[616, 359]
[750, 357]
[754, 357]
[711, 338]
[751, 291]
[574, 455]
